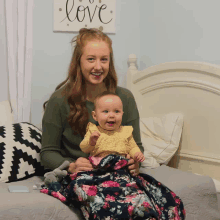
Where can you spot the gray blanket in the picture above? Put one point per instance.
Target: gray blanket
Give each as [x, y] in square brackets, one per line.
[197, 193]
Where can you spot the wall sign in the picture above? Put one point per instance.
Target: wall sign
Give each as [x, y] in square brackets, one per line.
[72, 15]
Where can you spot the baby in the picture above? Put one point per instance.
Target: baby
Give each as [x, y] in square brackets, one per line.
[109, 137]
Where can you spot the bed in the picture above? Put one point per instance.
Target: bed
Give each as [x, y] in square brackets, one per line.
[178, 106]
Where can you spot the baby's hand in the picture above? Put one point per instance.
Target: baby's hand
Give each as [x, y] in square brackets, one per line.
[139, 157]
[94, 137]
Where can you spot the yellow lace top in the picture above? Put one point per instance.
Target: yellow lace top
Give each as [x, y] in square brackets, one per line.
[110, 142]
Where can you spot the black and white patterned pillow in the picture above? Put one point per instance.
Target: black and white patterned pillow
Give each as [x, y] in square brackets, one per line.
[20, 146]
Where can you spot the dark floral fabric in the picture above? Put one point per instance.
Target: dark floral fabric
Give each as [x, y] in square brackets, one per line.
[110, 192]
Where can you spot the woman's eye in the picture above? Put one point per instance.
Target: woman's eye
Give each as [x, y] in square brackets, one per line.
[105, 59]
[90, 59]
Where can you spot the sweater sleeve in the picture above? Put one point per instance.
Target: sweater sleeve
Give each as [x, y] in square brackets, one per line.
[84, 145]
[133, 147]
[50, 154]
[133, 119]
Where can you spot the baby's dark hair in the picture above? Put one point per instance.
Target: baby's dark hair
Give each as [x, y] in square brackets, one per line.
[105, 93]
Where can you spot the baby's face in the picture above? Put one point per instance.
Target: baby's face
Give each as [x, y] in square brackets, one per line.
[109, 112]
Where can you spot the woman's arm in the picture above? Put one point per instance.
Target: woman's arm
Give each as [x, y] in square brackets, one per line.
[50, 154]
[132, 119]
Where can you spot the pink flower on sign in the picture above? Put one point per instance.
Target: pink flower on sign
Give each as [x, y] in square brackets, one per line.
[110, 198]
[92, 191]
[120, 164]
[44, 191]
[110, 184]
[130, 210]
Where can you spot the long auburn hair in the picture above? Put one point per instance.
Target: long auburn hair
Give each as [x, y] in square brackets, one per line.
[75, 89]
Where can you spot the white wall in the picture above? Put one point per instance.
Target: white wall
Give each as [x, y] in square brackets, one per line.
[52, 50]
[156, 31]
[180, 30]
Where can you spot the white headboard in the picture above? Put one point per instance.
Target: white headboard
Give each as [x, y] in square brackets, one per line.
[193, 89]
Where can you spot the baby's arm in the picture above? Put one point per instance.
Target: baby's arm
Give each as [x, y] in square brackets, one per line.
[93, 138]
[89, 141]
[135, 151]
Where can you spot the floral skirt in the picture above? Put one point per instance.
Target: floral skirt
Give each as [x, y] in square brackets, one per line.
[110, 192]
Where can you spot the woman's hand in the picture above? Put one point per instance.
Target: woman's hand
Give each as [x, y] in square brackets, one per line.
[133, 166]
[81, 164]
[138, 156]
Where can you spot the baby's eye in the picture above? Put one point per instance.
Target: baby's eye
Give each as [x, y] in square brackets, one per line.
[116, 111]
[105, 111]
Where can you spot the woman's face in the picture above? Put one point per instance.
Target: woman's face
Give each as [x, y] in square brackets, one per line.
[95, 61]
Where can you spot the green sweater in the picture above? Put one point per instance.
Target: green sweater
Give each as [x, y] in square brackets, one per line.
[58, 141]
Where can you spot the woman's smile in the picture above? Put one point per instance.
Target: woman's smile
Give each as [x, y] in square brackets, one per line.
[95, 61]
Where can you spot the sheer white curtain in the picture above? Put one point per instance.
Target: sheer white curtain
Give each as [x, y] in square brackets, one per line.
[19, 37]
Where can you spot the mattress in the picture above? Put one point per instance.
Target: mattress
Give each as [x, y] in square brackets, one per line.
[33, 205]
[216, 182]
[39, 206]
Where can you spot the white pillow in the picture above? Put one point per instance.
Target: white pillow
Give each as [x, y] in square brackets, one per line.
[160, 138]
[6, 117]
[20, 146]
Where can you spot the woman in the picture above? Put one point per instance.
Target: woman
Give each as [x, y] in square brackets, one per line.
[67, 112]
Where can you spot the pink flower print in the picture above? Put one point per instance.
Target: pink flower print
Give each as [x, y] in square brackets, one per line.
[173, 194]
[44, 191]
[110, 184]
[120, 164]
[116, 193]
[146, 205]
[110, 198]
[73, 176]
[132, 185]
[80, 197]
[59, 196]
[130, 210]
[95, 160]
[140, 192]
[177, 200]
[129, 198]
[177, 217]
[106, 205]
[85, 188]
[92, 191]
[184, 212]
[158, 210]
